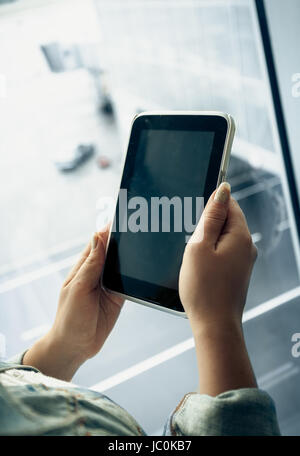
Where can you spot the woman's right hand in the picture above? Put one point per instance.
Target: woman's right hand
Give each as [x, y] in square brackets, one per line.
[213, 284]
[217, 264]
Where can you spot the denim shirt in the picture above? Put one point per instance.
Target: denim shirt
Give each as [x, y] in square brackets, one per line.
[36, 409]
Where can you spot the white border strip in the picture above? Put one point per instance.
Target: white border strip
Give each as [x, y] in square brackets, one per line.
[37, 274]
[271, 304]
[144, 366]
[186, 345]
[43, 255]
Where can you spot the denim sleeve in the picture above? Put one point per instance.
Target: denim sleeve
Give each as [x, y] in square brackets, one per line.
[241, 412]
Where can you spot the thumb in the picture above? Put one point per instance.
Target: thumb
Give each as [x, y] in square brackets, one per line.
[214, 216]
[90, 272]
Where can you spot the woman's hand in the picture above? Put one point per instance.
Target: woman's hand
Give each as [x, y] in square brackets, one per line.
[213, 284]
[85, 316]
[217, 263]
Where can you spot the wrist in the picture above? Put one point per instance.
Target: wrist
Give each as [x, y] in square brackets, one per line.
[218, 333]
[53, 358]
[214, 327]
[222, 358]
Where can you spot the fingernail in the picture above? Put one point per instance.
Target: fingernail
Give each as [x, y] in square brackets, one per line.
[223, 193]
[94, 241]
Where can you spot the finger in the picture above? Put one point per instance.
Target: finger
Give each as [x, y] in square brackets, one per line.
[236, 221]
[78, 265]
[90, 272]
[236, 230]
[104, 233]
[213, 218]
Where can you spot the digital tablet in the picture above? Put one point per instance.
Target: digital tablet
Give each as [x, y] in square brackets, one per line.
[174, 162]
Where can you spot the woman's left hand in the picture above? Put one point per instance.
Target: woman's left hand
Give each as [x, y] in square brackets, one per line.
[85, 317]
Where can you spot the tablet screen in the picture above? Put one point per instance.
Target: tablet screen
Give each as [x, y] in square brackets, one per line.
[164, 175]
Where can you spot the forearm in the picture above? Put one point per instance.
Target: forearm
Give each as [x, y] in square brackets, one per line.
[49, 356]
[223, 361]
